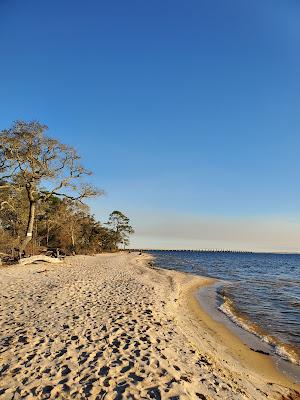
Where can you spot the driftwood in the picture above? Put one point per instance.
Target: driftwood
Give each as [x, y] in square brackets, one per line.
[40, 257]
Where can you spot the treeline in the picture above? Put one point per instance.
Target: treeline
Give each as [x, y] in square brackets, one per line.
[42, 194]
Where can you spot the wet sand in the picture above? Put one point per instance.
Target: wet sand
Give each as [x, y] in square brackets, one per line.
[111, 327]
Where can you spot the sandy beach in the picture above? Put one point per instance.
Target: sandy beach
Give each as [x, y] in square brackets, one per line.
[113, 327]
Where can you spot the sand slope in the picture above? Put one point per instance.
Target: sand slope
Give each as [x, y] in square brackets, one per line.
[105, 327]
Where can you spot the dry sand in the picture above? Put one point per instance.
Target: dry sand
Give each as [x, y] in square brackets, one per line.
[111, 327]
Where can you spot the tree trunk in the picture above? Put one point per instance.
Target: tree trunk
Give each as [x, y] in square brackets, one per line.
[72, 237]
[48, 233]
[73, 240]
[30, 224]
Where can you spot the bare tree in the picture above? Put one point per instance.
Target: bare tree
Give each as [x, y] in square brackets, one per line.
[42, 166]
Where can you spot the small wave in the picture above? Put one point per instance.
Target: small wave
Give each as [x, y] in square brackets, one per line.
[283, 350]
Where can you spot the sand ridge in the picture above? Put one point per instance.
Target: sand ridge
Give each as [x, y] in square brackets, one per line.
[105, 327]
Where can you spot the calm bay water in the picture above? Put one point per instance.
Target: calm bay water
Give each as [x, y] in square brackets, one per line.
[259, 292]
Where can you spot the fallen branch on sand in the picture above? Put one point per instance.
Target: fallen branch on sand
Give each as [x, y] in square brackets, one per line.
[40, 257]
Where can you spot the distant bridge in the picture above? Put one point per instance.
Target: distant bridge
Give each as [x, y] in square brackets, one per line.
[199, 250]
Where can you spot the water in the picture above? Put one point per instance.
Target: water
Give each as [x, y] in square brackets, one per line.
[258, 292]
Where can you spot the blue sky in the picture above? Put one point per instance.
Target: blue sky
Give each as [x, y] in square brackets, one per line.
[184, 110]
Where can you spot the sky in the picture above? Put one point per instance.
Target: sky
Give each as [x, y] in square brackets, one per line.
[187, 112]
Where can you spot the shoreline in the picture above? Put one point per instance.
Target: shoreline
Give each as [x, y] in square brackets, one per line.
[222, 336]
[113, 326]
[259, 363]
[238, 343]
[207, 297]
